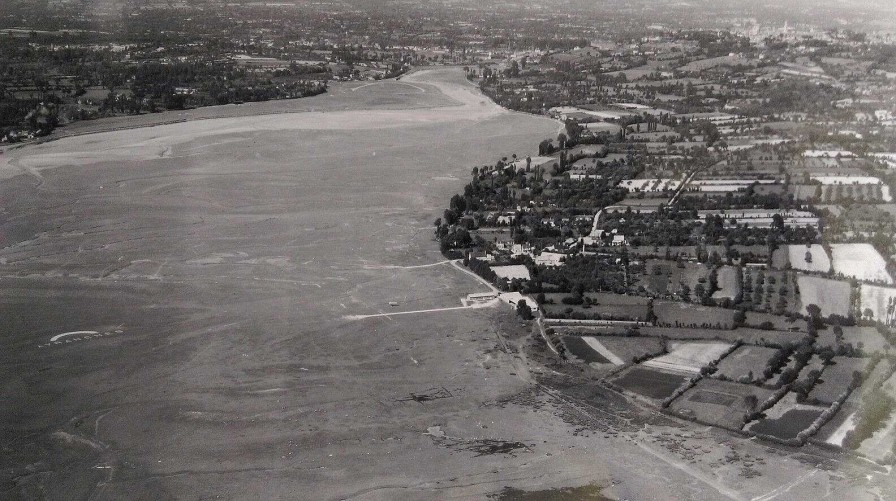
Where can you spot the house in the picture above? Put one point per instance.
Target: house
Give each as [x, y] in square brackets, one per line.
[618, 240]
[513, 271]
[581, 175]
[520, 250]
[550, 259]
[506, 219]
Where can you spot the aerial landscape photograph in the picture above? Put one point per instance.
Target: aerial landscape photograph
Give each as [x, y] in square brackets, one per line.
[613, 250]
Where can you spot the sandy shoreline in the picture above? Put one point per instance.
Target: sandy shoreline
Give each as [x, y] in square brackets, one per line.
[259, 108]
[458, 101]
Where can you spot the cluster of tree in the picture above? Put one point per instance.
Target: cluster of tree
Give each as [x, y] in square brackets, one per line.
[747, 199]
[581, 274]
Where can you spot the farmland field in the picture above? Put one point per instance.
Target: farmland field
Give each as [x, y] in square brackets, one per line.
[649, 383]
[728, 284]
[627, 348]
[597, 306]
[831, 296]
[744, 362]
[861, 261]
[835, 378]
[869, 339]
[677, 314]
[745, 334]
[688, 357]
[722, 403]
[868, 193]
[881, 443]
[796, 255]
[786, 418]
[778, 322]
[878, 299]
[582, 350]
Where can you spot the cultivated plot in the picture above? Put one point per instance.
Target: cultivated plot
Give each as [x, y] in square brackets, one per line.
[860, 261]
[650, 383]
[686, 357]
[720, 403]
[831, 296]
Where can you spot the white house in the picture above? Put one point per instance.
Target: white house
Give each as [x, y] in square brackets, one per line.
[550, 259]
[512, 271]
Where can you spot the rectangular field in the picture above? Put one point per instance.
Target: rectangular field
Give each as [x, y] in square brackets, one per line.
[869, 339]
[861, 261]
[776, 322]
[721, 403]
[649, 383]
[786, 418]
[881, 443]
[879, 301]
[745, 364]
[670, 277]
[597, 306]
[770, 291]
[834, 431]
[836, 378]
[728, 283]
[747, 335]
[831, 296]
[688, 357]
[808, 258]
[677, 314]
